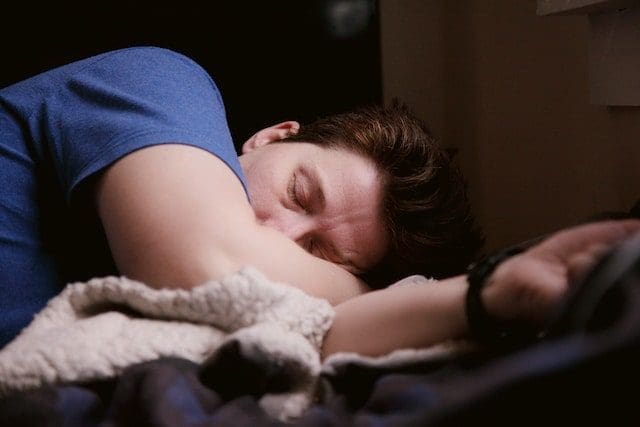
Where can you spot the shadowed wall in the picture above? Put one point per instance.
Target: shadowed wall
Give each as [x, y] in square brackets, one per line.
[510, 91]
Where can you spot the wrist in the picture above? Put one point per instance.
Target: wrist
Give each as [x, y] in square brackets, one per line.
[483, 325]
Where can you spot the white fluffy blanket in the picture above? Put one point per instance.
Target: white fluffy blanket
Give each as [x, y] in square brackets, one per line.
[93, 330]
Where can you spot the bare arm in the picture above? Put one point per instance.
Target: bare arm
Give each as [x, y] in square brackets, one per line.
[410, 316]
[526, 287]
[177, 216]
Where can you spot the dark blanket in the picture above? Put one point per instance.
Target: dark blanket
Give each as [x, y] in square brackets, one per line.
[564, 380]
[584, 372]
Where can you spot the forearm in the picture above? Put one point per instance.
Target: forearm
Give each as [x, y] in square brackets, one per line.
[528, 287]
[409, 316]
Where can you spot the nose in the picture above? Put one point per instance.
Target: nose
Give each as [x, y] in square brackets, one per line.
[293, 225]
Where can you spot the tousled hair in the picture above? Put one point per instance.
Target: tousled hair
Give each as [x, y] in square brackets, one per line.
[425, 204]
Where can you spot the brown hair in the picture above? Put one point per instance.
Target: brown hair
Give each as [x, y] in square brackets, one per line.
[425, 204]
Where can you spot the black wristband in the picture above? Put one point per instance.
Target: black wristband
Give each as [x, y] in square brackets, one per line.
[484, 327]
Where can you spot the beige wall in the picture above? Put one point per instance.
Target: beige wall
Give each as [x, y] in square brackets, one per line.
[509, 90]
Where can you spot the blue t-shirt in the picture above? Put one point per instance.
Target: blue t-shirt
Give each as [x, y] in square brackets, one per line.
[61, 127]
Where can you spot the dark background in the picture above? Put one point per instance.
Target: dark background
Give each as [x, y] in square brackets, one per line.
[272, 60]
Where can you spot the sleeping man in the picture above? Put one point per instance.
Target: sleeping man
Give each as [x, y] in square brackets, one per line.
[123, 164]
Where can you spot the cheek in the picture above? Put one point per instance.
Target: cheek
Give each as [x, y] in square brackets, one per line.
[271, 213]
[260, 204]
[266, 200]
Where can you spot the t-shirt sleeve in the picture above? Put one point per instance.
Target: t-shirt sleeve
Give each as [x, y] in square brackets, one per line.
[130, 99]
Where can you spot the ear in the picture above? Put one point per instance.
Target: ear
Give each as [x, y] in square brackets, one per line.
[270, 134]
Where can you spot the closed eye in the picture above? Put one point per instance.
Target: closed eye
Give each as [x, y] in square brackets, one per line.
[291, 190]
[310, 246]
[297, 193]
[320, 251]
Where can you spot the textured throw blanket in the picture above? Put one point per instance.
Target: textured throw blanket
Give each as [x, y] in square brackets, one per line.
[94, 330]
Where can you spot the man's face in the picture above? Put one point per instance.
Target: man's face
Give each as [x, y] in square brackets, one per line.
[326, 200]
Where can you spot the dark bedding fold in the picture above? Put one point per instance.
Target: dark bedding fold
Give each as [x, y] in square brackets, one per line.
[582, 376]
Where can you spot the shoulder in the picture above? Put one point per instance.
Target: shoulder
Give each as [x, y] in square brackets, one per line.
[127, 99]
